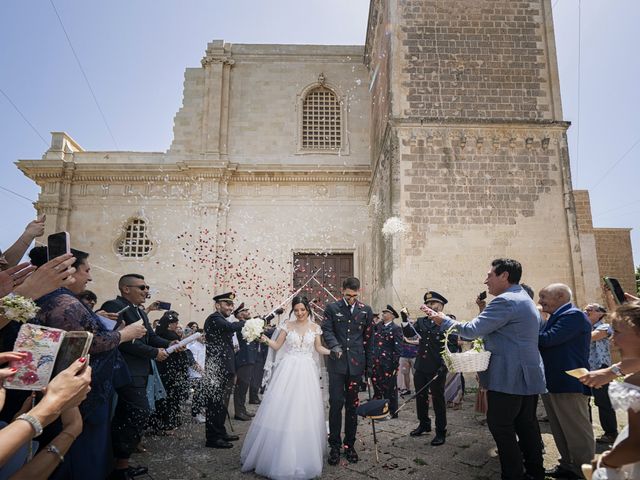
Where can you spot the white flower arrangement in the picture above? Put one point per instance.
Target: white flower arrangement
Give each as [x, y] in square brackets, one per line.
[394, 226]
[474, 360]
[253, 329]
[18, 308]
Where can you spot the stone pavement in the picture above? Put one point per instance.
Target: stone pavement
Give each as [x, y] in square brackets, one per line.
[468, 454]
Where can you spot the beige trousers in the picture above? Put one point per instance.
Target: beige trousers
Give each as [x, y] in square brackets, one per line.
[571, 428]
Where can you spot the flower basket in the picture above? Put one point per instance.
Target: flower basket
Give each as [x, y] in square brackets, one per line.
[474, 360]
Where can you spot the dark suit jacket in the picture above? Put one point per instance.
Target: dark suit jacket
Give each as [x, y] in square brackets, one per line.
[351, 333]
[137, 354]
[247, 353]
[564, 345]
[218, 334]
[385, 348]
[429, 357]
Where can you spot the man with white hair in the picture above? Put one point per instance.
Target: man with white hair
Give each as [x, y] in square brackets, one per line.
[564, 345]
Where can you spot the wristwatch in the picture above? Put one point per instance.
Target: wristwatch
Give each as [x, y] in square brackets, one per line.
[616, 370]
[33, 421]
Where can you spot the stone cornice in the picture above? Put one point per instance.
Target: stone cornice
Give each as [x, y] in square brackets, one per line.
[479, 123]
[47, 171]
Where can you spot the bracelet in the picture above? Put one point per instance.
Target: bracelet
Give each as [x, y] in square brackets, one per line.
[53, 449]
[616, 370]
[73, 437]
[33, 421]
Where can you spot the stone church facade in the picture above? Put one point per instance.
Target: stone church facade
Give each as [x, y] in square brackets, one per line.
[289, 158]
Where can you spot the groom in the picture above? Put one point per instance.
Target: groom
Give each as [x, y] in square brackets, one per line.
[346, 330]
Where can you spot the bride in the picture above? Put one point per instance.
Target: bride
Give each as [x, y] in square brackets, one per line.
[287, 438]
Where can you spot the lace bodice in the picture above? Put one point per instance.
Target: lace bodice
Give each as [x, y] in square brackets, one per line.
[624, 396]
[301, 345]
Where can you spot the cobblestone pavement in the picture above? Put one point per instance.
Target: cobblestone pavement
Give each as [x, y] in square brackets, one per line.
[468, 454]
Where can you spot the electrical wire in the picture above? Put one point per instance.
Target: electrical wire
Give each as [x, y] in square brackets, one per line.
[24, 117]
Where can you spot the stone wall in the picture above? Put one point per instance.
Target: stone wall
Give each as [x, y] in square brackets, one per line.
[615, 257]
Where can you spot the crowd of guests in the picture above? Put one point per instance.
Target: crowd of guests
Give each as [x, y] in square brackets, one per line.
[95, 413]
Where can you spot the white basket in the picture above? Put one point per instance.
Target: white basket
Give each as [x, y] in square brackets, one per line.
[467, 362]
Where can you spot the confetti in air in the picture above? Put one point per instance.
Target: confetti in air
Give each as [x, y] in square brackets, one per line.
[394, 226]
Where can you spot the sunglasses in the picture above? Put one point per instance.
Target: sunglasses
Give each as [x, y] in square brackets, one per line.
[141, 287]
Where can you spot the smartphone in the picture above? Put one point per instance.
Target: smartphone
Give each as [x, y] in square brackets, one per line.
[58, 244]
[123, 310]
[482, 295]
[74, 346]
[614, 285]
[163, 305]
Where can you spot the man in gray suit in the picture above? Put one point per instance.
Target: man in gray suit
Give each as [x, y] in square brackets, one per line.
[509, 326]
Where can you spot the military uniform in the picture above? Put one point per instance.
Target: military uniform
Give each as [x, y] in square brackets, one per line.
[220, 369]
[246, 357]
[429, 364]
[347, 329]
[385, 349]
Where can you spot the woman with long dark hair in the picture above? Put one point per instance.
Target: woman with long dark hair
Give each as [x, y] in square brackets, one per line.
[291, 415]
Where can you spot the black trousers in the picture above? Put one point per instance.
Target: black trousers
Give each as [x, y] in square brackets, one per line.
[243, 381]
[217, 407]
[199, 400]
[131, 417]
[606, 413]
[420, 379]
[343, 393]
[513, 423]
[386, 386]
[256, 381]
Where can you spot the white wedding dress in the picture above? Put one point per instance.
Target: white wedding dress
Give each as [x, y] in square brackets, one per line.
[624, 396]
[287, 438]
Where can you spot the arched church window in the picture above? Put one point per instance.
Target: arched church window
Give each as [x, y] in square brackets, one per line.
[135, 242]
[321, 120]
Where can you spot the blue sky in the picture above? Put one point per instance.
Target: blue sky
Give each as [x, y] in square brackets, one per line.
[134, 53]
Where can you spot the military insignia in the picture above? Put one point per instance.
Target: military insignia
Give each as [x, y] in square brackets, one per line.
[339, 315]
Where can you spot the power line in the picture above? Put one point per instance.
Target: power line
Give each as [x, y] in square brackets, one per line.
[615, 164]
[23, 117]
[16, 194]
[619, 207]
[86, 79]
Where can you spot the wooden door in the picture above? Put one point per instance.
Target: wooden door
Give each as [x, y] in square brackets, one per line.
[327, 283]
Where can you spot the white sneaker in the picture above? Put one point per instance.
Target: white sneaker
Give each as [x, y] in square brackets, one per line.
[200, 418]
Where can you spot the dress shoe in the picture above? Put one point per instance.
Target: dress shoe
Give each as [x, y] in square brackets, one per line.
[219, 443]
[137, 471]
[230, 438]
[559, 472]
[422, 428]
[334, 456]
[351, 454]
[438, 439]
[242, 417]
[606, 438]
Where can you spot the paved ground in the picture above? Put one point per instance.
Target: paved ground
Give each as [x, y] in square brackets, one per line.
[468, 454]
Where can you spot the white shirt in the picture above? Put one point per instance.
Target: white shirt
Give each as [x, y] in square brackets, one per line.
[199, 351]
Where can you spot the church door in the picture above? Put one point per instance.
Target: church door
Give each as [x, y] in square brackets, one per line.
[327, 283]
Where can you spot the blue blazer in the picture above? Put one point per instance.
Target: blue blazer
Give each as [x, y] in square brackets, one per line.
[564, 345]
[509, 326]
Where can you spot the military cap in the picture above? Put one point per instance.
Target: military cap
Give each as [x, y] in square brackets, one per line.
[240, 308]
[225, 297]
[374, 409]
[432, 296]
[391, 310]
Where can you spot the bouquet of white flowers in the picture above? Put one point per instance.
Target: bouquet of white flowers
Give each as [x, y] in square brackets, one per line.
[18, 308]
[253, 329]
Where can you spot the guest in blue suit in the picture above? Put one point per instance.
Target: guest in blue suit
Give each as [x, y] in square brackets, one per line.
[564, 345]
[509, 326]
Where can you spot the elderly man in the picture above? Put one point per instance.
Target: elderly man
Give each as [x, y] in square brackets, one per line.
[509, 326]
[600, 357]
[564, 345]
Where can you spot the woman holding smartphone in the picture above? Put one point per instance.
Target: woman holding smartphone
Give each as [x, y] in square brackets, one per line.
[88, 457]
